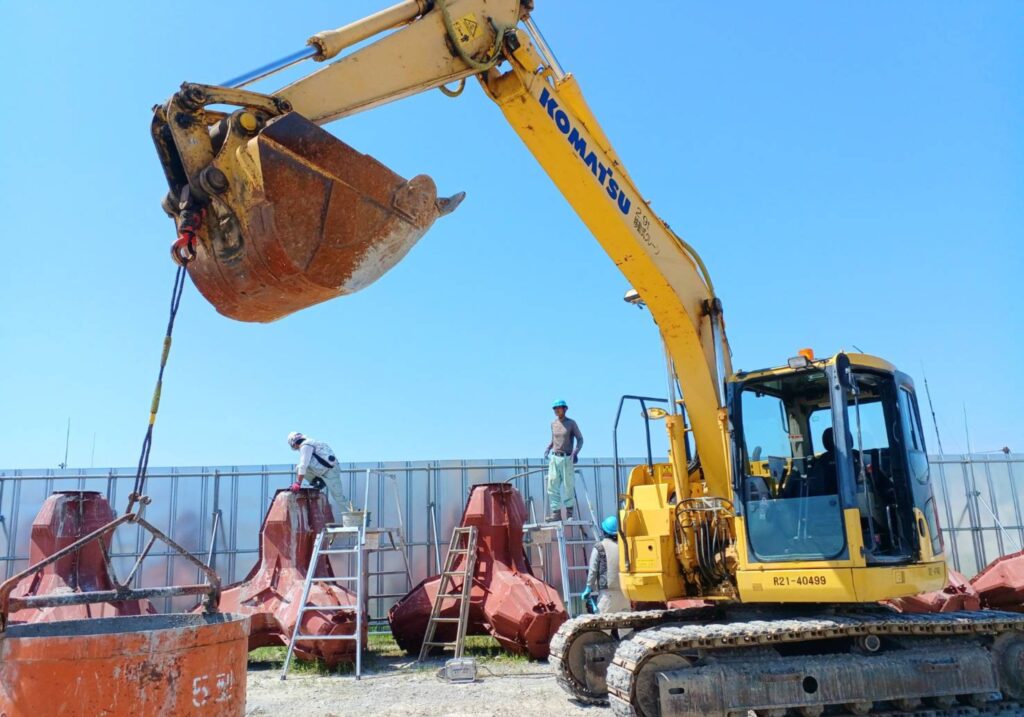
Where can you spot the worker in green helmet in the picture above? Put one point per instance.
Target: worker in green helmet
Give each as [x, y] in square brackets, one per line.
[562, 453]
[603, 593]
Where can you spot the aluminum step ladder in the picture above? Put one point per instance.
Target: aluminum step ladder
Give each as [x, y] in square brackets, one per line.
[572, 542]
[573, 539]
[352, 545]
[380, 541]
[463, 543]
[377, 542]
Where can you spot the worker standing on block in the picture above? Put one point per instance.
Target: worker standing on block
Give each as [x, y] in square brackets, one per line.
[319, 465]
[562, 453]
[603, 573]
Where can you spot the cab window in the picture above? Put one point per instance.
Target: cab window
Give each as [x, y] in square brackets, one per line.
[790, 493]
[917, 458]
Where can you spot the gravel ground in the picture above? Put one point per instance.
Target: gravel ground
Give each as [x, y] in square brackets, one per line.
[397, 686]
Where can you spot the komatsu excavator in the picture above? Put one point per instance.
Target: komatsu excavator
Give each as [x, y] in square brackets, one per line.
[794, 498]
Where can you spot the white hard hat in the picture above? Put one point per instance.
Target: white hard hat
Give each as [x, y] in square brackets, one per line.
[295, 438]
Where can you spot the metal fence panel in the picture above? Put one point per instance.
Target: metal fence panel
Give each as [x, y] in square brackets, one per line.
[217, 511]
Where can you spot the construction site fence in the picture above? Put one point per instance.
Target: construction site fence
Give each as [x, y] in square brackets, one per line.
[215, 512]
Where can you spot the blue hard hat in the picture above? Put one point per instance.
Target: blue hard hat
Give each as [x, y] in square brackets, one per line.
[559, 404]
[610, 525]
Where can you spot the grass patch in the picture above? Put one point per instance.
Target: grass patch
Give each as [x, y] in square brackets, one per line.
[381, 654]
[486, 648]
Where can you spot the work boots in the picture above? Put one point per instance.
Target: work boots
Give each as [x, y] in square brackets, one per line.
[556, 517]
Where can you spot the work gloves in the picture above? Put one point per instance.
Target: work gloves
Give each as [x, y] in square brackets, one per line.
[575, 457]
[588, 600]
[317, 483]
[547, 452]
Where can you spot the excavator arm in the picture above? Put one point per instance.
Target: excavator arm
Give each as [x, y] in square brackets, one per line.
[279, 215]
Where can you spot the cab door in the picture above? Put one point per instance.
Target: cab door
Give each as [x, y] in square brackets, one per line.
[910, 438]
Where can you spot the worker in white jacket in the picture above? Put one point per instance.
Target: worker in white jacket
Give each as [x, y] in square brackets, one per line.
[318, 464]
[603, 572]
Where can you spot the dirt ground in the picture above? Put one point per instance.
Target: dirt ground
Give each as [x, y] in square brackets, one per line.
[394, 684]
[515, 688]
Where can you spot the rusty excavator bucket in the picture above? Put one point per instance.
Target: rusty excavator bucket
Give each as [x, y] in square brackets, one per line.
[273, 213]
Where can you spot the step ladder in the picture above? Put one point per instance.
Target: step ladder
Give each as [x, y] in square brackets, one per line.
[380, 541]
[463, 543]
[572, 542]
[573, 539]
[377, 542]
[352, 545]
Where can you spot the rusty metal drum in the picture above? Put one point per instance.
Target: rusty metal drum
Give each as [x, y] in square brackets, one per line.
[143, 666]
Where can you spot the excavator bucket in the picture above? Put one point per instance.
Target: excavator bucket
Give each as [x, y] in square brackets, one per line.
[291, 216]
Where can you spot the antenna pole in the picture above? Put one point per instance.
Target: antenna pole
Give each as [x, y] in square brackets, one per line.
[967, 431]
[67, 440]
[931, 407]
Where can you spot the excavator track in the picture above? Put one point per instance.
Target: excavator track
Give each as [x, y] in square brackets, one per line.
[710, 669]
[566, 639]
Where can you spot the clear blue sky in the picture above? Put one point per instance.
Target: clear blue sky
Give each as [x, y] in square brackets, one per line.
[853, 174]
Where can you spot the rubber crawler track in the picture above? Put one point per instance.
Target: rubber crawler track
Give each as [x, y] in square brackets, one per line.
[641, 620]
[634, 652]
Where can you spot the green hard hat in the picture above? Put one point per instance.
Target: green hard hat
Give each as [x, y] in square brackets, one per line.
[560, 404]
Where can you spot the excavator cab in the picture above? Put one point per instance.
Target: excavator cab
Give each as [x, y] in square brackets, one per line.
[831, 467]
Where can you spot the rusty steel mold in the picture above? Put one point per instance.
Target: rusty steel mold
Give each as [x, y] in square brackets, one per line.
[958, 595]
[271, 593]
[122, 590]
[65, 517]
[138, 666]
[507, 601]
[1001, 584]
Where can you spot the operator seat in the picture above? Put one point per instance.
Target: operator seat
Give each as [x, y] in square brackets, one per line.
[822, 479]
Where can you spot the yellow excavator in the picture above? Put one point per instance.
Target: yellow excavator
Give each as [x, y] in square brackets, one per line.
[794, 498]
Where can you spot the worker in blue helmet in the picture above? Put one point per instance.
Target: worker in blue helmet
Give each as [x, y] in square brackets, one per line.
[603, 593]
[562, 453]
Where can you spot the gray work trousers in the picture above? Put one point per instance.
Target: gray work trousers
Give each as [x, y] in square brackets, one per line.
[333, 480]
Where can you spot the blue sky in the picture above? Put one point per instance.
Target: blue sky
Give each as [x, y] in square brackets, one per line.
[853, 174]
